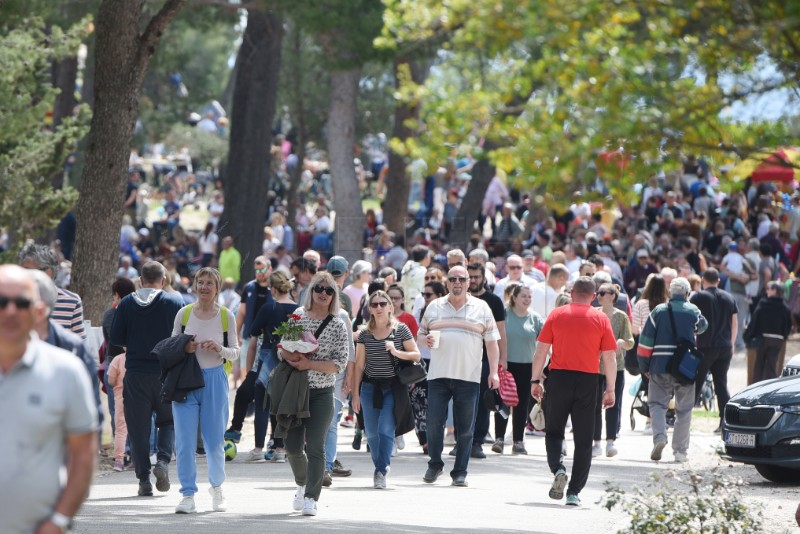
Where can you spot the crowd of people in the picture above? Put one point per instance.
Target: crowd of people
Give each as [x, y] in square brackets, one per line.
[562, 302]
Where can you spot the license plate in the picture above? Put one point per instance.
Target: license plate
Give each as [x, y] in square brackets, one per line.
[736, 439]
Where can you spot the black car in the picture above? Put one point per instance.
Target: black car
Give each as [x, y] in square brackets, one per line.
[761, 426]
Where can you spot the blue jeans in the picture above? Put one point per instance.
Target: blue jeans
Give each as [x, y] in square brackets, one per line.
[209, 405]
[379, 425]
[269, 361]
[333, 435]
[464, 395]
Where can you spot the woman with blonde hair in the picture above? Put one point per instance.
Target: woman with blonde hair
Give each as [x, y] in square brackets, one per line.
[305, 443]
[376, 390]
[212, 346]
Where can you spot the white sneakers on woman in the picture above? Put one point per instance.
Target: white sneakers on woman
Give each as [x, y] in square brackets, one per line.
[218, 502]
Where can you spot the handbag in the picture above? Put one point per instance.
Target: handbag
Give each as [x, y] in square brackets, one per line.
[686, 359]
[408, 372]
[632, 359]
[508, 388]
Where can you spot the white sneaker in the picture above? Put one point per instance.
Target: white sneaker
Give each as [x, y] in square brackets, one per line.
[394, 449]
[255, 456]
[400, 443]
[218, 502]
[681, 457]
[299, 495]
[309, 506]
[279, 457]
[648, 429]
[379, 480]
[186, 506]
[611, 450]
[596, 450]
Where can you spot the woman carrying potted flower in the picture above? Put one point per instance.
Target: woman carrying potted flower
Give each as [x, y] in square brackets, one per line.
[305, 443]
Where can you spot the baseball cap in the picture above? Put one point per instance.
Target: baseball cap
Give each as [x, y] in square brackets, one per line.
[493, 402]
[733, 245]
[642, 253]
[337, 266]
[526, 253]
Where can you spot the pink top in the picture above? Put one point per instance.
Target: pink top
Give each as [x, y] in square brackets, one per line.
[116, 374]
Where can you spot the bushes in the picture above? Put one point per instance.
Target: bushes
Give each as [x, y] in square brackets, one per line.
[685, 501]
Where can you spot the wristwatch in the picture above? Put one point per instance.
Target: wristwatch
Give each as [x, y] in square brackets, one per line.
[61, 521]
[536, 381]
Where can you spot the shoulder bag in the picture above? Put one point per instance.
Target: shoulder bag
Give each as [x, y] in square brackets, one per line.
[686, 359]
[408, 372]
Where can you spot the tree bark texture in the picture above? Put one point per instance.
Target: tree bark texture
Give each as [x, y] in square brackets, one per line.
[482, 173]
[397, 183]
[341, 139]
[254, 99]
[122, 55]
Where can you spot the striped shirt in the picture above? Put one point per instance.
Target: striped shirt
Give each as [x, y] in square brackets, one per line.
[69, 312]
[379, 363]
[463, 333]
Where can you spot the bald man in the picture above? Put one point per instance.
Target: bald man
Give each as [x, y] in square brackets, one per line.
[48, 411]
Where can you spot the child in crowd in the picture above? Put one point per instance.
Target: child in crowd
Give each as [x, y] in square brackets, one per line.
[116, 375]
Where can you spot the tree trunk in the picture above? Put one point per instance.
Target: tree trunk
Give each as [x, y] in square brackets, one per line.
[397, 184]
[482, 174]
[341, 139]
[253, 110]
[301, 123]
[121, 56]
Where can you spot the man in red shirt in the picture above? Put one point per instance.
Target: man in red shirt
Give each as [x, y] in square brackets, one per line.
[577, 333]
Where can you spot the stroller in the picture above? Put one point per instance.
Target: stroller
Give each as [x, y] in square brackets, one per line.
[639, 391]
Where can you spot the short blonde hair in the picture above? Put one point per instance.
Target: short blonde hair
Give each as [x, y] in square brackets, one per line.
[327, 278]
[208, 272]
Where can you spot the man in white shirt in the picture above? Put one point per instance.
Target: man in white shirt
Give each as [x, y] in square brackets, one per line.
[514, 268]
[543, 296]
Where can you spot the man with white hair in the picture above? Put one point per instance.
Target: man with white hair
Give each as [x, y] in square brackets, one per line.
[514, 268]
[657, 344]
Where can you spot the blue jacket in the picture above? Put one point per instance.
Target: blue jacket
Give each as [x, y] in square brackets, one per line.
[656, 342]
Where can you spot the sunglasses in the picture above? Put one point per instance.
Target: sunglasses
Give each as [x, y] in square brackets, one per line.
[515, 267]
[381, 304]
[21, 303]
[427, 294]
[324, 289]
[604, 293]
[262, 270]
[454, 279]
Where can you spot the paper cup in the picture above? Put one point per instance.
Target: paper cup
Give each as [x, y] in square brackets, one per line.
[436, 334]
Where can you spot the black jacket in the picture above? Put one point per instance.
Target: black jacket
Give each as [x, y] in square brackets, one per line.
[180, 371]
[772, 317]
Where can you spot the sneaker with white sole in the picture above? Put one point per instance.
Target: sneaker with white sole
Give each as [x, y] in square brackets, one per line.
[681, 457]
[299, 497]
[400, 443]
[611, 449]
[256, 456]
[218, 502]
[498, 446]
[309, 506]
[186, 506]
[596, 450]
[559, 483]
[279, 457]
[379, 480]
[573, 500]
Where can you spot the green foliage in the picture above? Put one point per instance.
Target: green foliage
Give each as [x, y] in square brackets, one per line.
[686, 501]
[208, 150]
[30, 152]
[554, 84]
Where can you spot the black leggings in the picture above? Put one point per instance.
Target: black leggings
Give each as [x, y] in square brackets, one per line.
[613, 413]
[522, 379]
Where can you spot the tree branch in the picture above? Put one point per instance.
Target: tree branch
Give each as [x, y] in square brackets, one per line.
[148, 41]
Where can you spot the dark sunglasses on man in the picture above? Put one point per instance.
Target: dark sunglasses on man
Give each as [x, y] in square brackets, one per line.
[20, 303]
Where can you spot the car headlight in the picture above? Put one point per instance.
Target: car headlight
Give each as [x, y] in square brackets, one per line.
[791, 408]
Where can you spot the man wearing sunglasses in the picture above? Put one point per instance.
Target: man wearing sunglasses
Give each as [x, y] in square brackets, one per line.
[256, 294]
[48, 410]
[464, 324]
[514, 268]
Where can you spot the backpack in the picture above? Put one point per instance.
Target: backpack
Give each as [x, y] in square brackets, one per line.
[187, 312]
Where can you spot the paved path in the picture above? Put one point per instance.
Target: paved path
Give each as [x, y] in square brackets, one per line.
[505, 494]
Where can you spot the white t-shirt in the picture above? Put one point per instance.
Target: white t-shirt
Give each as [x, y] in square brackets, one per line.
[208, 244]
[355, 295]
[543, 299]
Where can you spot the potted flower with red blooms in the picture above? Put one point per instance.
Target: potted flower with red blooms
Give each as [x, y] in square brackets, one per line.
[294, 338]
